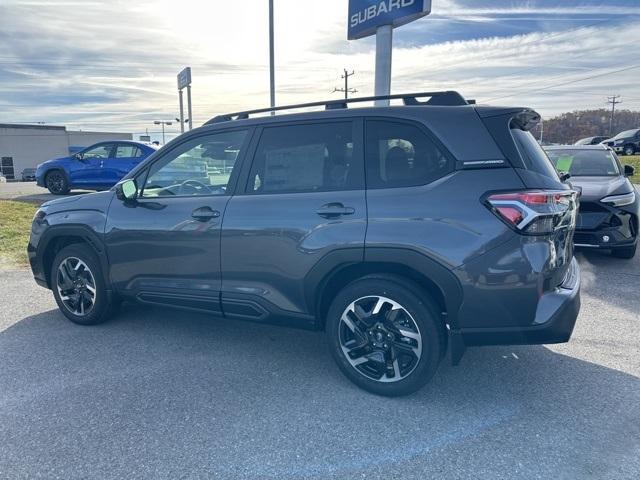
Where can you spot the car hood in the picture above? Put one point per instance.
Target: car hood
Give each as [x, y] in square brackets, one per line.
[53, 161]
[596, 188]
[88, 201]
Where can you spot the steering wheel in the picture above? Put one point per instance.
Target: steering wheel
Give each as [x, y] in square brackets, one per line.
[196, 187]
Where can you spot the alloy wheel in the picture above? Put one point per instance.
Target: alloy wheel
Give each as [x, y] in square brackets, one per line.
[380, 339]
[55, 182]
[76, 286]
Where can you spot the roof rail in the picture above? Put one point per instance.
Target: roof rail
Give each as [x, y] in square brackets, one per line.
[444, 98]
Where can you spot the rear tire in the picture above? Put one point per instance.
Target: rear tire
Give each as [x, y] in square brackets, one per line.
[56, 182]
[385, 334]
[79, 288]
[626, 252]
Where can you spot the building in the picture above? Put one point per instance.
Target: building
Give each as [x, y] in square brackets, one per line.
[25, 146]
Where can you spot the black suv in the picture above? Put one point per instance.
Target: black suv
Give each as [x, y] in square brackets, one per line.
[627, 142]
[609, 207]
[402, 231]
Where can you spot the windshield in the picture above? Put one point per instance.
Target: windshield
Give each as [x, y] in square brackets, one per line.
[626, 133]
[585, 163]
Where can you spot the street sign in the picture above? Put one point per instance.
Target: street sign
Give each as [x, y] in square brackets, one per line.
[365, 16]
[184, 78]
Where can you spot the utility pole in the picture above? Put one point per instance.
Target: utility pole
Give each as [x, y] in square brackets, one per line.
[346, 88]
[613, 101]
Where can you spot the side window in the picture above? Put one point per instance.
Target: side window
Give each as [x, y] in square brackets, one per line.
[124, 150]
[402, 155]
[101, 151]
[305, 158]
[139, 153]
[201, 166]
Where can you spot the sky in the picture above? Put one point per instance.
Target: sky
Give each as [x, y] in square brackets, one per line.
[112, 65]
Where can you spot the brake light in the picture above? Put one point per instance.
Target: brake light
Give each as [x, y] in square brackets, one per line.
[535, 212]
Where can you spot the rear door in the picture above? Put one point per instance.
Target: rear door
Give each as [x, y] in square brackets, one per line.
[125, 156]
[303, 201]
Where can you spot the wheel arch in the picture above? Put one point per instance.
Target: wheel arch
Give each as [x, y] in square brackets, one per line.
[430, 276]
[58, 237]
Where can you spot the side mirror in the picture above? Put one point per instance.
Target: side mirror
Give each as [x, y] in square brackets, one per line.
[629, 171]
[127, 190]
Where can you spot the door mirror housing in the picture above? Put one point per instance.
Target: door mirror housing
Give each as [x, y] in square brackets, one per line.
[127, 190]
[629, 171]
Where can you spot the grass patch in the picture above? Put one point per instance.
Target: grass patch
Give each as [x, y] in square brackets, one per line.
[15, 226]
[634, 161]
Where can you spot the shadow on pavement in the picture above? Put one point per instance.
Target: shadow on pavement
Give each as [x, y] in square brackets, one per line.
[164, 394]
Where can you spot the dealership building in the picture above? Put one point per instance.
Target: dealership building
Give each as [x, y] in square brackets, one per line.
[25, 146]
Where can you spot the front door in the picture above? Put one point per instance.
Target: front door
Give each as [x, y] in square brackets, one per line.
[164, 248]
[303, 200]
[87, 167]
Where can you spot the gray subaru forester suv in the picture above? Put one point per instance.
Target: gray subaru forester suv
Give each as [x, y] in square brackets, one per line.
[402, 231]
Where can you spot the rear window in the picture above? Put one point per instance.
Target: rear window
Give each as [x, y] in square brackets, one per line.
[584, 163]
[533, 156]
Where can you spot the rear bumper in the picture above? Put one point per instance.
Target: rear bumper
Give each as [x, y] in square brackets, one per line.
[555, 318]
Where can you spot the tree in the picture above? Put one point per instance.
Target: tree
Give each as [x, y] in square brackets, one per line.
[572, 126]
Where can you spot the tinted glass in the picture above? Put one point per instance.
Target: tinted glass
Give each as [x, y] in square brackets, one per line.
[305, 158]
[201, 166]
[101, 151]
[626, 134]
[401, 155]
[532, 154]
[126, 151]
[582, 163]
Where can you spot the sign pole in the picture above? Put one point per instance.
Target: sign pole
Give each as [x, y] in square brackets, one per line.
[181, 111]
[384, 48]
[272, 72]
[189, 111]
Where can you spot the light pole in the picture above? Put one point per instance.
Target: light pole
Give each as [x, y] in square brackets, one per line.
[181, 123]
[163, 123]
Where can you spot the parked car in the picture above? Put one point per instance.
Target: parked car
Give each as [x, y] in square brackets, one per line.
[400, 231]
[28, 175]
[590, 141]
[98, 167]
[609, 207]
[627, 142]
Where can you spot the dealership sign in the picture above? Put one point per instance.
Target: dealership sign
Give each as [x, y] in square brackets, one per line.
[184, 78]
[365, 16]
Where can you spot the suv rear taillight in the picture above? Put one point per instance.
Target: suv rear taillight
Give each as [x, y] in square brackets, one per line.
[535, 212]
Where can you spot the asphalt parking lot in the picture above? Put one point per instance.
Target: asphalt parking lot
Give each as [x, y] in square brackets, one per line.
[29, 192]
[164, 394]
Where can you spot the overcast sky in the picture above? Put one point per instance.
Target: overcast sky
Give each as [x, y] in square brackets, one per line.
[111, 65]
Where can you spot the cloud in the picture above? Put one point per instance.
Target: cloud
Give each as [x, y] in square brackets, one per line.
[112, 65]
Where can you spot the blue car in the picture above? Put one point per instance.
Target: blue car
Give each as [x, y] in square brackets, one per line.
[98, 167]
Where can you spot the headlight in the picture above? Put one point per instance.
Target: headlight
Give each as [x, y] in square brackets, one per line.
[39, 215]
[620, 200]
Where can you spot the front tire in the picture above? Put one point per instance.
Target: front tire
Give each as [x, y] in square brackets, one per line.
[56, 182]
[385, 334]
[78, 286]
[626, 252]
[629, 150]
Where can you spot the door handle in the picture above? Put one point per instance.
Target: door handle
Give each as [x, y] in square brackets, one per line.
[332, 210]
[204, 214]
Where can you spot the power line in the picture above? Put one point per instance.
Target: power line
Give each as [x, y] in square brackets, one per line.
[564, 83]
